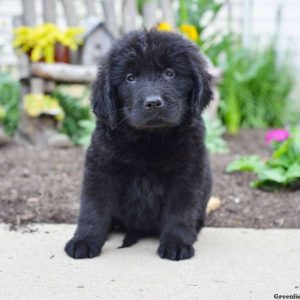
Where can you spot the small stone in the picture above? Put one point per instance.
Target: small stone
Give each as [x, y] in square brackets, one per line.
[18, 221]
[25, 173]
[4, 139]
[33, 200]
[14, 193]
[59, 140]
[28, 216]
[237, 200]
[279, 222]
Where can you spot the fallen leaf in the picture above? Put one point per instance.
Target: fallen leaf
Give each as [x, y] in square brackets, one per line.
[33, 200]
[213, 204]
[27, 216]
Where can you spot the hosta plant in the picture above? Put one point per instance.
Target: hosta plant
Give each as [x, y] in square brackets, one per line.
[213, 138]
[282, 169]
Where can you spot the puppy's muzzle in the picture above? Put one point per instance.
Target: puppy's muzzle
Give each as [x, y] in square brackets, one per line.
[153, 103]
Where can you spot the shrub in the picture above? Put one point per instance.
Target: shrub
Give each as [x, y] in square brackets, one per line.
[78, 122]
[9, 103]
[254, 90]
[213, 138]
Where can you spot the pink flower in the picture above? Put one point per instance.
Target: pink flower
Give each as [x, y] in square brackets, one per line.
[277, 135]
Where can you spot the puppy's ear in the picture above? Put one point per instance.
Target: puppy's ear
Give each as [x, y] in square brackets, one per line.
[202, 93]
[103, 99]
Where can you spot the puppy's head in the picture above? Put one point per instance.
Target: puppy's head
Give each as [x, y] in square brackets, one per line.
[151, 80]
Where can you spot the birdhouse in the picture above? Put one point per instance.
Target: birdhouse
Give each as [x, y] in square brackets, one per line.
[97, 42]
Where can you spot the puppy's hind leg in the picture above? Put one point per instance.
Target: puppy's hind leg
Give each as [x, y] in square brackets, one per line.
[200, 224]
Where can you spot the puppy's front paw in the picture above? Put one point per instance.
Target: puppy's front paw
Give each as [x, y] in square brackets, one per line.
[175, 250]
[84, 248]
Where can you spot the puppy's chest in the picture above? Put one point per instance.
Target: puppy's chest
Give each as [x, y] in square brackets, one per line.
[142, 199]
[146, 175]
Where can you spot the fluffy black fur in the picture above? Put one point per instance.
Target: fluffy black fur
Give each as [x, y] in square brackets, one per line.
[147, 170]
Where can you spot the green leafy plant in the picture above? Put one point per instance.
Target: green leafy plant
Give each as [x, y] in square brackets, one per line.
[246, 164]
[281, 170]
[255, 87]
[9, 103]
[78, 122]
[190, 18]
[213, 138]
[140, 5]
[193, 12]
[87, 127]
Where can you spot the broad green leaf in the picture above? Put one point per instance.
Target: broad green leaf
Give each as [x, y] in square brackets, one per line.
[283, 162]
[277, 175]
[293, 173]
[282, 149]
[247, 164]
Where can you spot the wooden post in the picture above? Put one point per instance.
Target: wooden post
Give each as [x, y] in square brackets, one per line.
[278, 36]
[229, 15]
[247, 20]
[149, 13]
[91, 8]
[72, 20]
[110, 17]
[29, 17]
[49, 11]
[168, 16]
[129, 13]
[23, 61]
[49, 14]
[70, 12]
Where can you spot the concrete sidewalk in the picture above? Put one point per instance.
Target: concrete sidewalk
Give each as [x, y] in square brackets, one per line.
[229, 264]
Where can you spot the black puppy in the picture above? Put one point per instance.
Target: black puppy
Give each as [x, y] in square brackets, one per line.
[147, 169]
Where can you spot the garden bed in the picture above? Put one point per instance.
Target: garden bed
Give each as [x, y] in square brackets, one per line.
[42, 185]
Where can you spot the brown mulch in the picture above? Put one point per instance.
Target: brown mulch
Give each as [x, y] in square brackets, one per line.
[43, 184]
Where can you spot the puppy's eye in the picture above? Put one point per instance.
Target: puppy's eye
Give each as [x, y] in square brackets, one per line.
[169, 73]
[130, 77]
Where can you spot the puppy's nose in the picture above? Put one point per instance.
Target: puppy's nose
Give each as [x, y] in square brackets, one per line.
[153, 102]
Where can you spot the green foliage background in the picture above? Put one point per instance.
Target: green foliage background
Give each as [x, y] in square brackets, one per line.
[9, 103]
[255, 88]
[78, 123]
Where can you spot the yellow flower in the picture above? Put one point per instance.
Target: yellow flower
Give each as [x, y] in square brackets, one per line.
[40, 41]
[164, 26]
[189, 31]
